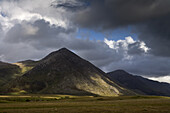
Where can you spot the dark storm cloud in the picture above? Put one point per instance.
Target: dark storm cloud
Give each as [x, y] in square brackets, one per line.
[154, 15]
[69, 5]
[109, 14]
[156, 34]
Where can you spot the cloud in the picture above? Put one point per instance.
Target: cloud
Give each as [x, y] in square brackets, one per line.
[30, 29]
[150, 18]
[156, 34]
[26, 26]
[109, 14]
[70, 5]
[39, 34]
[43, 37]
[16, 11]
[128, 46]
[160, 79]
[18, 52]
[137, 58]
[147, 65]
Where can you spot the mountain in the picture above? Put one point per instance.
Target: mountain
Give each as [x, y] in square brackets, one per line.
[8, 72]
[26, 65]
[139, 84]
[63, 72]
[29, 63]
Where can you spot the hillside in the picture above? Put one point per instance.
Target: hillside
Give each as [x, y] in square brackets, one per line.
[63, 72]
[8, 72]
[26, 65]
[139, 84]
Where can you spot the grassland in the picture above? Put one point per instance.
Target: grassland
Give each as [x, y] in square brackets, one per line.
[83, 104]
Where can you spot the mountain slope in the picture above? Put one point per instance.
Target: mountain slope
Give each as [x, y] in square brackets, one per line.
[8, 72]
[63, 72]
[139, 84]
[26, 65]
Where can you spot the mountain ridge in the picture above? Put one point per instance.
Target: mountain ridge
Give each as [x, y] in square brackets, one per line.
[139, 84]
[64, 72]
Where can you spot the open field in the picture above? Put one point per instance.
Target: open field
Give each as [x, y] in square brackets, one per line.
[83, 104]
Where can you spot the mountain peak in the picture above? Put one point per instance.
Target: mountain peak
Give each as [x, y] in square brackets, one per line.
[57, 54]
[64, 72]
[63, 49]
[120, 72]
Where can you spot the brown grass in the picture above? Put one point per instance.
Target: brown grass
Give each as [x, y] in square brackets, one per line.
[135, 104]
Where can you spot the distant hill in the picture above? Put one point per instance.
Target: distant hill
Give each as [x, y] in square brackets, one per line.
[139, 84]
[26, 65]
[63, 72]
[8, 72]
[29, 63]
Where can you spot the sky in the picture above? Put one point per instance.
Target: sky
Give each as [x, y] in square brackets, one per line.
[133, 35]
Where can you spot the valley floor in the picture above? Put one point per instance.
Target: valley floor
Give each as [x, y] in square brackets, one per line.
[83, 104]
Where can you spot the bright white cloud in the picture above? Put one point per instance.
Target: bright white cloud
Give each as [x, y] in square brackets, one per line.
[30, 10]
[110, 43]
[124, 44]
[160, 79]
[144, 47]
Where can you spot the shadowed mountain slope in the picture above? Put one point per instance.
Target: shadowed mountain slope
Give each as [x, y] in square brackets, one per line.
[139, 84]
[63, 72]
[8, 72]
